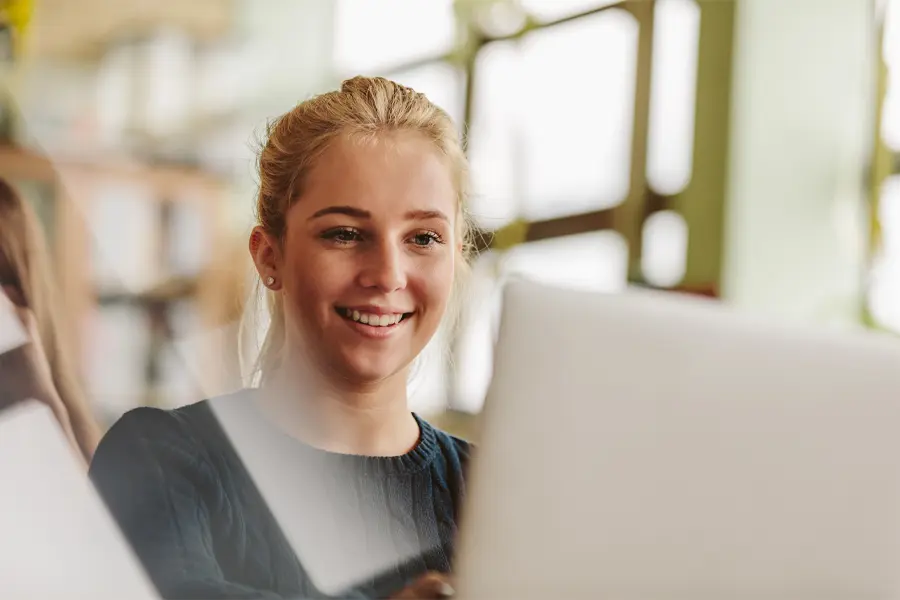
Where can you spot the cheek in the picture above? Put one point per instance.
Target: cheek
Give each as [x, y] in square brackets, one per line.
[309, 278]
[436, 283]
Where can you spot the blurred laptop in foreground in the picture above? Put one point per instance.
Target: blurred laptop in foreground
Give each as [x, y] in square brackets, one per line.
[654, 447]
[58, 540]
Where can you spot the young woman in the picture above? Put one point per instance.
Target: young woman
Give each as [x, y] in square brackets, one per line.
[320, 481]
[42, 369]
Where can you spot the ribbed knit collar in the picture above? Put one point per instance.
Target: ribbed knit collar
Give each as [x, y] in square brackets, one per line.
[416, 459]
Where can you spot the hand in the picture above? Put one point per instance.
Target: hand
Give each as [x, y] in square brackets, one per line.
[25, 372]
[427, 587]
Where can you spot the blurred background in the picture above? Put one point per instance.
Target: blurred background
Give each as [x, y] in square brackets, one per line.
[741, 149]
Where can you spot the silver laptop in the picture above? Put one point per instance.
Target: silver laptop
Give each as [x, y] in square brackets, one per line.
[650, 447]
[56, 538]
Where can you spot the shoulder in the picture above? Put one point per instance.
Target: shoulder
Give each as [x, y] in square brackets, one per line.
[453, 445]
[183, 434]
[154, 427]
[453, 453]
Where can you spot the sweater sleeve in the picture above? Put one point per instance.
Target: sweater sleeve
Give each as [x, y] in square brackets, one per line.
[157, 483]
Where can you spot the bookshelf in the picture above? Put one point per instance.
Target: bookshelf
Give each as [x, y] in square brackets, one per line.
[137, 254]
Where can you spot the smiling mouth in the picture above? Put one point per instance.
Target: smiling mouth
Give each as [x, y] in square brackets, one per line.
[372, 320]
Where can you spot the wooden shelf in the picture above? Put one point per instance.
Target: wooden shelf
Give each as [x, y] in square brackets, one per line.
[170, 290]
[77, 190]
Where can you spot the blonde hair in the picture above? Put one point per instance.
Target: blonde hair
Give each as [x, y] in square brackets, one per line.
[24, 266]
[366, 107]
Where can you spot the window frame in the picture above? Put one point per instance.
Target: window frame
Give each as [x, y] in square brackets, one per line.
[701, 203]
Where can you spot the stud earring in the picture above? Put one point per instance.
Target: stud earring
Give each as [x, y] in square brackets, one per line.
[270, 281]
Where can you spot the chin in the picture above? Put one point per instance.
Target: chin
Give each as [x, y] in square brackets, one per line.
[368, 371]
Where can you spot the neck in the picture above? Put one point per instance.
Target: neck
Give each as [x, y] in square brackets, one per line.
[371, 420]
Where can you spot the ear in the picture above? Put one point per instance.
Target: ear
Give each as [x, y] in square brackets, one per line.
[266, 254]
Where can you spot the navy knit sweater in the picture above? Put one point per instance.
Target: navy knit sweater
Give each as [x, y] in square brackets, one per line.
[179, 484]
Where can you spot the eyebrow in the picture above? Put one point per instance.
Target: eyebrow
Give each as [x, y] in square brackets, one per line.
[426, 214]
[342, 210]
[359, 213]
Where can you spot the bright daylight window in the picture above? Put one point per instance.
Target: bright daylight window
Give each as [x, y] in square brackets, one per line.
[552, 121]
[375, 36]
[549, 135]
[884, 291]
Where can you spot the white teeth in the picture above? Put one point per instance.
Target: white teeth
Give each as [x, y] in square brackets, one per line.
[374, 320]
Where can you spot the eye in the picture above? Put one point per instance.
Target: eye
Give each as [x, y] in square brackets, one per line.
[342, 235]
[427, 238]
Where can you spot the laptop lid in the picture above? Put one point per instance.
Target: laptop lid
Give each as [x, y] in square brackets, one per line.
[645, 446]
[57, 540]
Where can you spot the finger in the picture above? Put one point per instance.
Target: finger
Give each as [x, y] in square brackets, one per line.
[429, 586]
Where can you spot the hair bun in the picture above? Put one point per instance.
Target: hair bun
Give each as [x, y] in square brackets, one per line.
[364, 86]
[359, 84]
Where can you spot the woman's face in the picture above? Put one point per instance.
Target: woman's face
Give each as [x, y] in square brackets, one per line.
[367, 264]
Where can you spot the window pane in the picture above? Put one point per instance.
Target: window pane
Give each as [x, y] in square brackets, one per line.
[577, 114]
[373, 36]
[676, 35]
[665, 244]
[492, 136]
[595, 261]
[552, 123]
[884, 295]
[890, 126]
[549, 10]
[443, 83]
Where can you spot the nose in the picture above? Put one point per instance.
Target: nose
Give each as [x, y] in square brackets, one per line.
[384, 268]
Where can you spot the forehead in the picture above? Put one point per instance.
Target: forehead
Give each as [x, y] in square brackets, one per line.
[389, 173]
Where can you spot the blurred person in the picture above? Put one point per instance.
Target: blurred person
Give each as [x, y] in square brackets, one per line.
[361, 246]
[43, 368]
